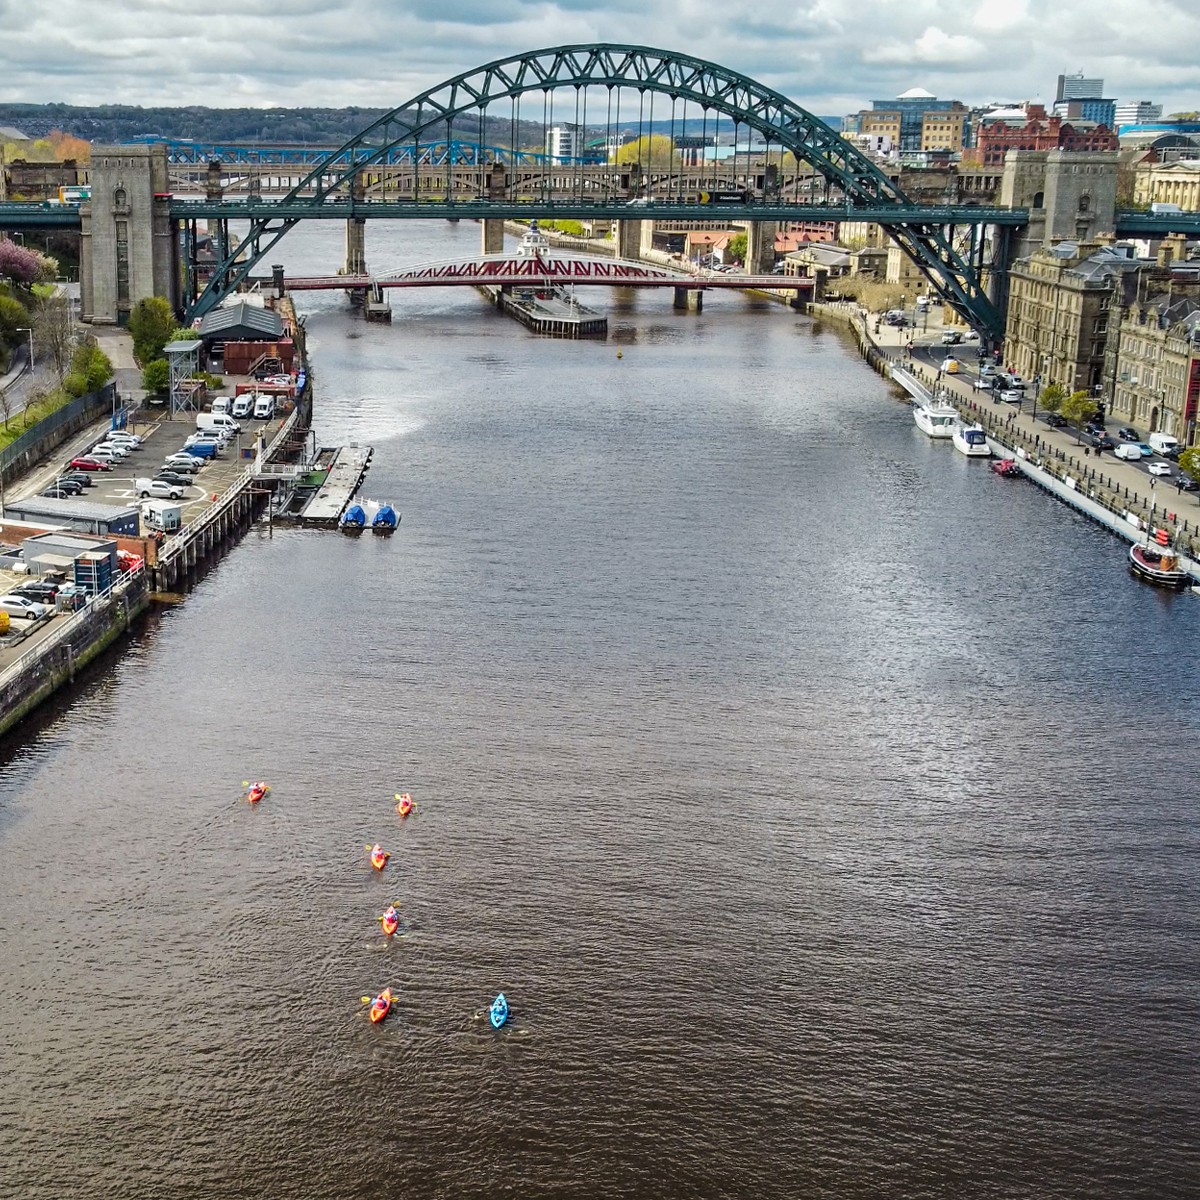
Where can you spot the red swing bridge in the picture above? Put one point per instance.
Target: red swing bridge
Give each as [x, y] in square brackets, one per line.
[505, 271]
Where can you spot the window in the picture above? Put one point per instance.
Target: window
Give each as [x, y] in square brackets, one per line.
[120, 198]
[1085, 202]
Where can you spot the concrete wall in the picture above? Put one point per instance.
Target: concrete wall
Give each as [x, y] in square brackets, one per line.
[128, 248]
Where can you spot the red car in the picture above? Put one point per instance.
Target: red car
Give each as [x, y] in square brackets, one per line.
[83, 463]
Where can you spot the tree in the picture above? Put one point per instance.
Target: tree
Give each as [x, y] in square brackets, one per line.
[53, 331]
[18, 264]
[1052, 396]
[14, 316]
[90, 369]
[156, 376]
[151, 324]
[653, 151]
[1189, 461]
[736, 247]
[5, 406]
[1076, 407]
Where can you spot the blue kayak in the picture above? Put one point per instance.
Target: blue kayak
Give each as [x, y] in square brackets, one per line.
[498, 1013]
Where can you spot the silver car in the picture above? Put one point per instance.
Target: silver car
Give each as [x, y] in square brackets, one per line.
[21, 606]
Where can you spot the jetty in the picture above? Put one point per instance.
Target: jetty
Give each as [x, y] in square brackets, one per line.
[343, 477]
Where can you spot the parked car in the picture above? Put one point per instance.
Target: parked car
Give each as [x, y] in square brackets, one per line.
[112, 449]
[1186, 483]
[1159, 468]
[159, 489]
[80, 477]
[41, 590]
[952, 337]
[183, 462]
[1102, 441]
[66, 483]
[1094, 429]
[22, 606]
[1128, 435]
[175, 477]
[1054, 420]
[57, 493]
[84, 463]
[1012, 396]
[988, 371]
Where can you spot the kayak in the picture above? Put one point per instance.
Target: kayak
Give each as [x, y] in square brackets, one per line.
[405, 806]
[391, 921]
[498, 1013]
[379, 857]
[381, 1006]
[257, 792]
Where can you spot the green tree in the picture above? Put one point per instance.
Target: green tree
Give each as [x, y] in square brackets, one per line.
[1189, 461]
[13, 316]
[1052, 396]
[736, 249]
[1076, 407]
[156, 376]
[653, 151]
[151, 324]
[90, 369]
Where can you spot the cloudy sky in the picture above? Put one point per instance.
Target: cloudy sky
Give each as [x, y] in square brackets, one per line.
[830, 56]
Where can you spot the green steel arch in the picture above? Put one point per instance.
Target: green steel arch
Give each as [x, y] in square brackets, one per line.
[679, 76]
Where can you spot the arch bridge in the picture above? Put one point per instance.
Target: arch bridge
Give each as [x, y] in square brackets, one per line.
[784, 164]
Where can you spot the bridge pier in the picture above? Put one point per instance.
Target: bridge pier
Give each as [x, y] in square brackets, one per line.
[493, 236]
[760, 247]
[633, 239]
[689, 299]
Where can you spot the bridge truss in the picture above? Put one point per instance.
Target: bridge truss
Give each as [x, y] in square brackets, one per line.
[614, 89]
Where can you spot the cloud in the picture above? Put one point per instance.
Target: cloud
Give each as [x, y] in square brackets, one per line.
[831, 56]
[934, 46]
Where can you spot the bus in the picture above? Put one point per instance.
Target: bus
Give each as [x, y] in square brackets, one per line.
[74, 195]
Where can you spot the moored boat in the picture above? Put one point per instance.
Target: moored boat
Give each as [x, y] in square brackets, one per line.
[935, 418]
[971, 440]
[385, 520]
[353, 520]
[1006, 467]
[1159, 567]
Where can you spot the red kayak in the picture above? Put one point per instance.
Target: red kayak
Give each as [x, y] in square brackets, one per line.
[391, 921]
[379, 857]
[257, 792]
[381, 1006]
[405, 806]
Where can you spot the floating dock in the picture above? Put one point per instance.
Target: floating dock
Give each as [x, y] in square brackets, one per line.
[347, 467]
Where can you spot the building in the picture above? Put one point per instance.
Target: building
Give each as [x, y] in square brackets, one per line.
[1078, 87]
[1153, 375]
[85, 516]
[563, 142]
[1097, 109]
[1031, 128]
[1058, 312]
[913, 122]
[1135, 112]
[1176, 182]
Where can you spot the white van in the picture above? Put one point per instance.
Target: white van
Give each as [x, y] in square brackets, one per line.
[1164, 443]
[221, 404]
[243, 405]
[1129, 451]
[264, 408]
[208, 422]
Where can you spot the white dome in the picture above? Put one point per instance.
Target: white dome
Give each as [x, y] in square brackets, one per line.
[916, 94]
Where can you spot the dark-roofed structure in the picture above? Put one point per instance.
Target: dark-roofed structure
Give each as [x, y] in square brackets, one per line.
[241, 322]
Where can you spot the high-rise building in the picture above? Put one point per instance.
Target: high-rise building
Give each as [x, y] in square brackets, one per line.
[1136, 112]
[915, 121]
[1089, 108]
[1078, 87]
[562, 142]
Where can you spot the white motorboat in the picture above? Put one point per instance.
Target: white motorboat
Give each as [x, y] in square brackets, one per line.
[935, 418]
[971, 440]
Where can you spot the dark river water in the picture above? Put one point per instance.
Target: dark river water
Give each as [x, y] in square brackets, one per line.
[824, 804]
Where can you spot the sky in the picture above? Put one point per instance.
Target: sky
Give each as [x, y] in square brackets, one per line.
[829, 56]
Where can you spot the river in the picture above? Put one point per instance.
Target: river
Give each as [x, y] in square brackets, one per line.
[823, 803]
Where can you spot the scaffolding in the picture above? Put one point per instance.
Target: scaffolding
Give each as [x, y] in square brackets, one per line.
[183, 359]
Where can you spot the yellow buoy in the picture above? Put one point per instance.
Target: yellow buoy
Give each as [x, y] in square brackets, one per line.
[618, 354]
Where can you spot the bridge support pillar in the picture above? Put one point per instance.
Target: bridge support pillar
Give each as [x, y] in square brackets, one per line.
[760, 247]
[689, 299]
[356, 247]
[493, 236]
[129, 248]
[634, 238]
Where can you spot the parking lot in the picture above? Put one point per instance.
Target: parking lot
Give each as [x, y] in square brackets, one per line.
[160, 437]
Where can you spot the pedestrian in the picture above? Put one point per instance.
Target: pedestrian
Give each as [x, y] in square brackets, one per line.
[1178, 485]
[1086, 452]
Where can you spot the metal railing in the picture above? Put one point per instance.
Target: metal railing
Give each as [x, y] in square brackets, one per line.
[120, 586]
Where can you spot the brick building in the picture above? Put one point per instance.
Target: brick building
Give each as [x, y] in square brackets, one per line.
[1032, 129]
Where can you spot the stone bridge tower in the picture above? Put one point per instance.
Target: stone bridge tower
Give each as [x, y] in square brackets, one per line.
[129, 248]
[1071, 195]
